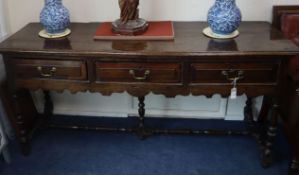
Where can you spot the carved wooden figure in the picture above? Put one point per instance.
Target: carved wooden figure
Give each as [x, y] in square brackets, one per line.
[129, 10]
[129, 22]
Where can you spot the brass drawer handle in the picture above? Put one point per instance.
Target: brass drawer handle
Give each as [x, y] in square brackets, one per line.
[50, 74]
[146, 73]
[232, 75]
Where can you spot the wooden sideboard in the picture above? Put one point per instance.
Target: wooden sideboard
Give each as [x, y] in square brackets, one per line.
[191, 64]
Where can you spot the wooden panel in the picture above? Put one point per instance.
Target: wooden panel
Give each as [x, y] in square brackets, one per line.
[49, 69]
[278, 11]
[138, 72]
[224, 73]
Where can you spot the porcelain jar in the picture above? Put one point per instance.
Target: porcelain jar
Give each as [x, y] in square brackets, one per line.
[224, 17]
[54, 17]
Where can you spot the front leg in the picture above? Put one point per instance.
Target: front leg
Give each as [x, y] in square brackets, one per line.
[253, 126]
[25, 116]
[263, 117]
[48, 107]
[267, 154]
[265, 108]
[248, 116]
[141, 130]
[43, 119]
[292, 131]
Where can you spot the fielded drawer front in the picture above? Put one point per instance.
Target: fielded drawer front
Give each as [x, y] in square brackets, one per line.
[49, 69]
[138, 72]
[226, 72]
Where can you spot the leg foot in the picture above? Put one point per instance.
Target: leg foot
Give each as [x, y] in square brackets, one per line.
[294, 167]
[25, 148]
[266, 158]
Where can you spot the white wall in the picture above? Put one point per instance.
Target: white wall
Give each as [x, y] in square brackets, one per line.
[3, 30]
[123, 105]
[20, 12]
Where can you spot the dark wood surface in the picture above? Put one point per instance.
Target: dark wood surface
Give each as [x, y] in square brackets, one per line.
[189, 41]
[191, 64]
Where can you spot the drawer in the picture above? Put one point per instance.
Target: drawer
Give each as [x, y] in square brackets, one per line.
[49, 69]
[226, 72]
[138, 72]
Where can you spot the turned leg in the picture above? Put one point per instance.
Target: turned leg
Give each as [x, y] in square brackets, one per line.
[42, 121]
[293, 133]
[141, 130]
[251, 124]
[267, 154]
[21, 128]
[18, 105]
[253, 127]
[262, 118]
[294, 163]
[248, 115]
[48, 106]
[265, 108]
[23, 117]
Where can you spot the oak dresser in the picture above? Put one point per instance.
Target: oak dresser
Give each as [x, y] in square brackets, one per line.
[254, 63]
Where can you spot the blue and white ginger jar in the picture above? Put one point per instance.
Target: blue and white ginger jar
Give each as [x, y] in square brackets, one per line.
[224, 17]
[54, 17]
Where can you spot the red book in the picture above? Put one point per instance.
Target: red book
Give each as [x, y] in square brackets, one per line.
[162, 30]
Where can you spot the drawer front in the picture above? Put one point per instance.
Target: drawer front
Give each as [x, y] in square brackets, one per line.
[138, 72]
[49, 69]
[226, 72]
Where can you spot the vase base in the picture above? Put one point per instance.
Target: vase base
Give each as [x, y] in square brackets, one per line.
[44, 34]
[208, 32]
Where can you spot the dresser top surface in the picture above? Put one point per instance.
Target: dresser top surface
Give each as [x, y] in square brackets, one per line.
[256, 38]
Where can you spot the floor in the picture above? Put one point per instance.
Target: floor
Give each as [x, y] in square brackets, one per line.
[72, 152]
